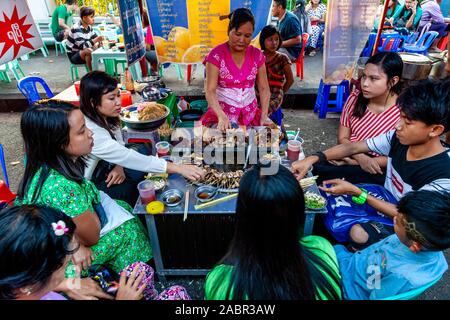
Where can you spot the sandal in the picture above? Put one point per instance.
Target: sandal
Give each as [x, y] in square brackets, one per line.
[312, 53]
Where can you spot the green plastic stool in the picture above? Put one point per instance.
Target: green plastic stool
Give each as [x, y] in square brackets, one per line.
[121, 62]
[74, 70]
[166, 65]
[171, 102]
[60, 46]
[110, 67]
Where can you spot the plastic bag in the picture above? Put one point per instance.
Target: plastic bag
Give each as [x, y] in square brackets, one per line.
[343, 213]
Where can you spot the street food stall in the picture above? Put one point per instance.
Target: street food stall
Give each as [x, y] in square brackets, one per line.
[190, 224]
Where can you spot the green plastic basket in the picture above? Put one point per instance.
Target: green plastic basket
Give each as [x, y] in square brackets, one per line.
[199, 104]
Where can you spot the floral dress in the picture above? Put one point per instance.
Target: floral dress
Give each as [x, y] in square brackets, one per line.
[236, 87]
[317, 28]
[118, 248]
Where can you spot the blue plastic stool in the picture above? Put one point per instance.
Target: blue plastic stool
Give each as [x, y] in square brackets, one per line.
[277, 117]
[323, 98]
[28, 88]
[2, 160]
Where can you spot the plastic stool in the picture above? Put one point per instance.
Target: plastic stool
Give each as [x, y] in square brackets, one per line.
[74, 70]
[323, 95]
[5, 193]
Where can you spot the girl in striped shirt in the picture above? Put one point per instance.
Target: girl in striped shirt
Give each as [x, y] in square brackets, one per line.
[367, 113]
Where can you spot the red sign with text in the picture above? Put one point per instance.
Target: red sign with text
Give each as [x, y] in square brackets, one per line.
[18, 32]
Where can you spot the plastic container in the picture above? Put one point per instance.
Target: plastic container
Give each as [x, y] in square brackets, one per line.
[293, 149]
[146, 191]
[129, 84]
[182, 104]
[125, 98]
[77, 87]
[162, 148]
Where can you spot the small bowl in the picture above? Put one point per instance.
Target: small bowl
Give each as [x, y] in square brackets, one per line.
[205, 193]
[172, 197]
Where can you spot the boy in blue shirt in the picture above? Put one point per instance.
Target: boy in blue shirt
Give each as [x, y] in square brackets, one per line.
[407, 260]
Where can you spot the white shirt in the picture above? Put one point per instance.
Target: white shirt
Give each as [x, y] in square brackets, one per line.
[114, 151]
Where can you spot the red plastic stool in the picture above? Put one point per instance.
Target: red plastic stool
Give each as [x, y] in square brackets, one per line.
[5, 194]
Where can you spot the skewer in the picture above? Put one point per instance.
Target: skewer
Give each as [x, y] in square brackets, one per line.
[186, 205]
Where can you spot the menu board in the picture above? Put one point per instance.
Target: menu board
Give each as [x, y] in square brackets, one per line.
[132, 30]
[347, 28]
[18, 32]
[184, 31]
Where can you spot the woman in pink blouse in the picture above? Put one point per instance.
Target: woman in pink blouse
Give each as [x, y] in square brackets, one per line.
[232, 69]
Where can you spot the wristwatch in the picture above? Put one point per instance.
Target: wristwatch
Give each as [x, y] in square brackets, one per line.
[322, 157]
[362, 197]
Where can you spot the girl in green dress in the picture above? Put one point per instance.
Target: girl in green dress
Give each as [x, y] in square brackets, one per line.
[56, 140]
[268, 258]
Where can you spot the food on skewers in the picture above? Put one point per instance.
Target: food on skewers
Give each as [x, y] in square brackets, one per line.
[308, 182]
[222, 180]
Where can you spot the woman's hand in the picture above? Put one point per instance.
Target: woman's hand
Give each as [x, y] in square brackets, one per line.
[82, 257]
[340, 187]
[115, 176]
[192, 173]
[414, 7]
[368, 164]
[301, 167]
[224, 122]
[84, 289]
[129, 288]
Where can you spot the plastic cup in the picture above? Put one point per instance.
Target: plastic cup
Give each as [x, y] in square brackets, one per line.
[77, 87]
[120, 38]
[293, 149]
[162, 148]
[146, 190]
[125, 98]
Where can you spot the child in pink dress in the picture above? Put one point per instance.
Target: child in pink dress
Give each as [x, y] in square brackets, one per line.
[236, 88]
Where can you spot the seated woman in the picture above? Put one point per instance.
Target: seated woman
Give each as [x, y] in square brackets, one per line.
[56, 141]
[268, 258]
[316, 11]
[38, 242]
[279, 72]
[367, 113]
[112, 166]
[408, 16]
[394, 7]
[431, 13]
[232, 69]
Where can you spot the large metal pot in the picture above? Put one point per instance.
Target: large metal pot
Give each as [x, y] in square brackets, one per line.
[439, 61]
[415, 66]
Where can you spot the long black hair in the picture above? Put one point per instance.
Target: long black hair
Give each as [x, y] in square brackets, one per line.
[239, 17]
[30, 251]
[300, 12]
[267, 32]
[392, 66]
[267, 258]
[46, 134]
[93, 86]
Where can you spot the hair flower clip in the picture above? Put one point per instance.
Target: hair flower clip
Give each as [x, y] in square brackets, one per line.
[60, 228]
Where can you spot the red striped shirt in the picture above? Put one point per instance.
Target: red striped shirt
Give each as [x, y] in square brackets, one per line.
[370, 124]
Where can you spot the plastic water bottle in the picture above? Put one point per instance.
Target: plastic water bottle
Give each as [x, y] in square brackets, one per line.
[182, 104]
[111, 8]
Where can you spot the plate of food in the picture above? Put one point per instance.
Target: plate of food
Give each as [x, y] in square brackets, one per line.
[144, 115]
[314, 201]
